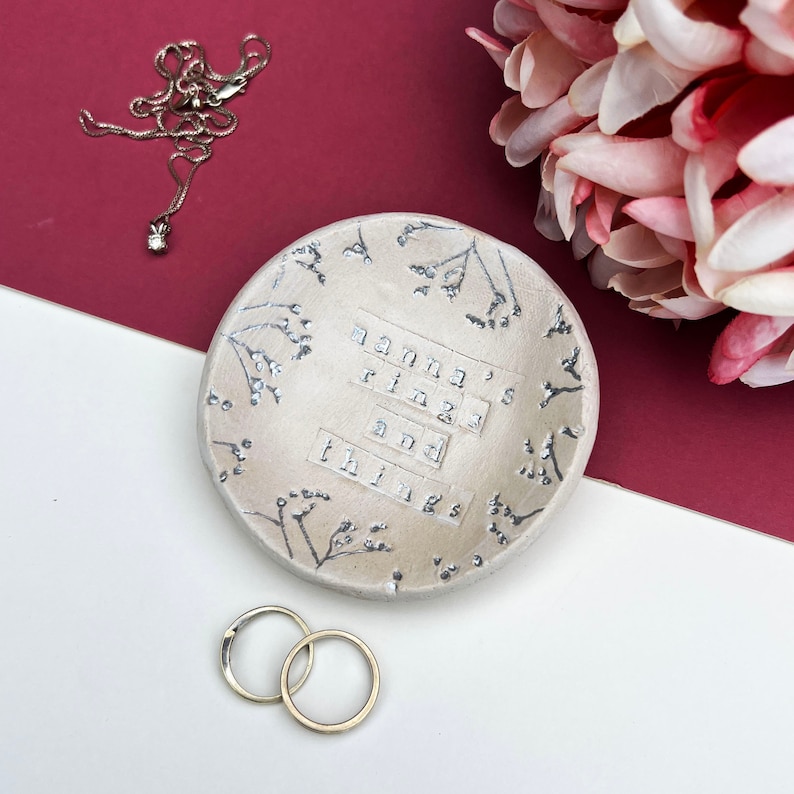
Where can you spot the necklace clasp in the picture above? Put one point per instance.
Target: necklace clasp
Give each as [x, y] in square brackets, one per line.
[235, 86]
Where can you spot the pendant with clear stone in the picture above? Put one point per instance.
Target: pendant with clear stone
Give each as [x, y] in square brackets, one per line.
[157, 231]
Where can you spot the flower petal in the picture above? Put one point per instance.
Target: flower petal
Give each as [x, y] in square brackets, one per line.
[770, 293]
[564, 187]
[769, 157]
[507, 120]
[691, 307]
[638, 246]
[772, 21]
[745, 340]
[728, 211]
[760, 237]
[761, 58]
[597, 5]
[537, 131]
[494, 48]
[546, 218]
[698, 200]
[678, 249]
[565, 144]
[637, 168]
[600, 214]
[586, 90]
[639, 80]
[602, 269]
[541, 69]
[627, 30]
[772, 370]
[587, 37]
[514, 21]
[690, 44]
[581, 242]
[749, 333]
[664, 214]
[647, 284]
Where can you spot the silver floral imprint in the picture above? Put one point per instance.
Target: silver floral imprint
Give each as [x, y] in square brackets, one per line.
[395, 405]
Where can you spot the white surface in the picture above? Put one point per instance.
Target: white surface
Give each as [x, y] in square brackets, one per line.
[636, 647]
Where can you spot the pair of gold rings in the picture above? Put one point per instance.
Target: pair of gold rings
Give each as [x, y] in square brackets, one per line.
[286, 691]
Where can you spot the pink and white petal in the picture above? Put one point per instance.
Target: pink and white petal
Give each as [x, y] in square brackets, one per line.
[772, 21]
[714, 282]
[698, 201]
[637, 168]
[596, 229]
[647, 284]
[743, 342]
[769, 157]
[639, 80]
[602, 269]
[586, 90]
[548, 166]
[628, 32]
[565, 144]
[507, 120]
[748, 333]
[689, 279]
[690, 44]
[535, 133]
[546, 218]
[587, 37]
[702, 304]
[513, 64]
[654, 309]
[765, 60]
[564, 188]
[692, 120]
[772, 370]
[692, 128]
[582, 244]
[728, 211]
[664, 214]
[494, 48]
[638, 246]
[691, 307]
[692, 288]
[542, 69]
[515, 21]
[597, 5]
[758, 238]
[677, 248]
[582, 190]
[602, 213]
[770, 292]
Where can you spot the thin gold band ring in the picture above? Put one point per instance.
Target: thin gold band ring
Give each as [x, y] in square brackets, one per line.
[286, 693]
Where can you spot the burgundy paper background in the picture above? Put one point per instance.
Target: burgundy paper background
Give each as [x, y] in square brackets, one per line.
[366, 107]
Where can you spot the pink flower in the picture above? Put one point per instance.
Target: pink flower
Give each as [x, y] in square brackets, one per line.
[759, 349]
[665, 133]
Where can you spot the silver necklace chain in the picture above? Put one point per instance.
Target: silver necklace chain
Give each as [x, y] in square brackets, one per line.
[190, 110]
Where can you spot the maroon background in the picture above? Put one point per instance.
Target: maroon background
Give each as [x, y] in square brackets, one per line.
[366, 107]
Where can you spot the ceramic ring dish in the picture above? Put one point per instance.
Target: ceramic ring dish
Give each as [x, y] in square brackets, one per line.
[396, 405]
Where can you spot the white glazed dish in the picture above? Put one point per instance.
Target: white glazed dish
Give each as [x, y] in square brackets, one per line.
[397, 404]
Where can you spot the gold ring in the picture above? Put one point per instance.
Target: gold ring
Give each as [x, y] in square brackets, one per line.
[226, 653]
[286, 693]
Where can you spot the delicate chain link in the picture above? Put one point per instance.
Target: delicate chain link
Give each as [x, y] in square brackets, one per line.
[189, 110]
